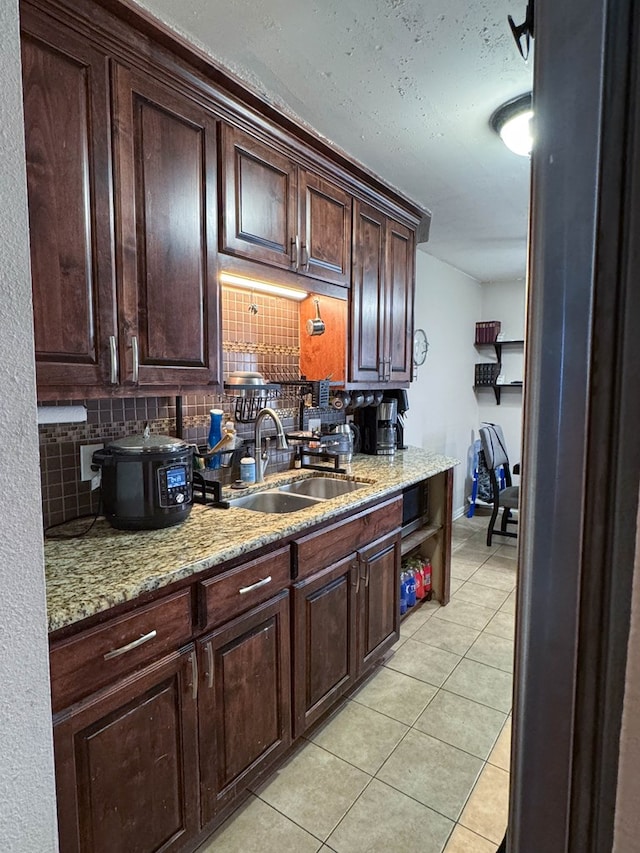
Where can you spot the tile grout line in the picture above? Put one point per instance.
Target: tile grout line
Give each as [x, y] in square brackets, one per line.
[462, 658]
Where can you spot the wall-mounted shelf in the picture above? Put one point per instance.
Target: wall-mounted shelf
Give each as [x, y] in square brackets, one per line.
[497, 389]
[497, 347]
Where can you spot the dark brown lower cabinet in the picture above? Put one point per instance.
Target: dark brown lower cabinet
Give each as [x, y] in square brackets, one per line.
[344, 618]
[379, 613]
[157, 759]
[244, 701]
[126, 763]
[324, 639]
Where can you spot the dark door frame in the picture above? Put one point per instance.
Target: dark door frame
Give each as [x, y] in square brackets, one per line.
[581, 412]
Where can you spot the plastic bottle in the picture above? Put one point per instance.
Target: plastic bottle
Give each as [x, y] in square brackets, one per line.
[411, 588]
[403, 594]
[248, 469]
[419, 578]
[215, 434]
[426, 568]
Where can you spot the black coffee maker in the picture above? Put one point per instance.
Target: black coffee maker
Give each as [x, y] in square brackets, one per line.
[403, 405]
[382, 427]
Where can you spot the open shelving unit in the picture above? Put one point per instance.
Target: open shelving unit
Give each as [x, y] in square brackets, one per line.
[428, 533]
[497, 346]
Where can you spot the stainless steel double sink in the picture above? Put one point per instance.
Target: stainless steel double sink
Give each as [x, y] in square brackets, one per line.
[297, 495]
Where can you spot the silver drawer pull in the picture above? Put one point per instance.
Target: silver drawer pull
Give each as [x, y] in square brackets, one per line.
[256, 585]
[114, 653]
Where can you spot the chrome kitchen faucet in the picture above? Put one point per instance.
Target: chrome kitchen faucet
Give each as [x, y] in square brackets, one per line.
[262, 459]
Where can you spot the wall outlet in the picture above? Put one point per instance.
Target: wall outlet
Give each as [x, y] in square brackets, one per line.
[86, 472]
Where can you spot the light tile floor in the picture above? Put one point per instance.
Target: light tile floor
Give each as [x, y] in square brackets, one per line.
[417, 760]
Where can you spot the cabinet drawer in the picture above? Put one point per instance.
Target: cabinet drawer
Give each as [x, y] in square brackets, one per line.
[332, 543]
[99, 656]
[223, 597]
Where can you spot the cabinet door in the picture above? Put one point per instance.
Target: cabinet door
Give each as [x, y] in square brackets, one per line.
[67, 135]
[325, 230]
[258, 201]
[165, 156]
[324, 632]
[399, 277]
[126, 763]
[379, 613]
[368, 297]
[244, 701]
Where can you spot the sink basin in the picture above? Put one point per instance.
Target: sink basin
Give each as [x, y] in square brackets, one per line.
[323, 488]
[273, 501]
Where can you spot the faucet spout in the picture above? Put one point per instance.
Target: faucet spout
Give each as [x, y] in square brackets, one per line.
[281, 440]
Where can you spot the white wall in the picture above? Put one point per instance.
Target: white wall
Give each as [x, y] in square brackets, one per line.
[505, 301]
[443, 410]
[27, 798]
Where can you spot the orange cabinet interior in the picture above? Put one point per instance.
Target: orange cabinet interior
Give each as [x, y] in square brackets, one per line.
[324, 356]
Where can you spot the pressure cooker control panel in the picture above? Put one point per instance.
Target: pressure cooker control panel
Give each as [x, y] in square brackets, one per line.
[174, 488]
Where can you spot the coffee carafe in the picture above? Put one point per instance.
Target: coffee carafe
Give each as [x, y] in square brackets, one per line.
[387, 414]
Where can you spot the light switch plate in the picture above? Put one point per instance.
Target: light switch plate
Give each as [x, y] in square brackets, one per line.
[86, 472]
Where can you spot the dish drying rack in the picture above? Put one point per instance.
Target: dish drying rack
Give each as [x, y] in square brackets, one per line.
[247, 400]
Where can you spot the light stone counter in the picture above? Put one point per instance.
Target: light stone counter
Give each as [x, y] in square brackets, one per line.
[107, 567]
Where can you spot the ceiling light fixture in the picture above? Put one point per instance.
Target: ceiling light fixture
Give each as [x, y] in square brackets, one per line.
[263, 286]
[512, 123]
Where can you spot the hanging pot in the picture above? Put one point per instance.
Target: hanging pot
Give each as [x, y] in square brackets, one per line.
[316, 326]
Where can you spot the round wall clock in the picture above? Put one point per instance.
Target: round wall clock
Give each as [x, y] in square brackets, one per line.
[420, 347]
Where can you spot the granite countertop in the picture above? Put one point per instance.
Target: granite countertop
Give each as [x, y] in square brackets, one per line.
[107, 567]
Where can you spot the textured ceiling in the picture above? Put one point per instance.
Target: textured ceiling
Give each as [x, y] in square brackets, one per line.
[404, 86]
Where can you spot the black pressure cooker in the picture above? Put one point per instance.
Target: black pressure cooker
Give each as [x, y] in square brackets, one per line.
[147, 481]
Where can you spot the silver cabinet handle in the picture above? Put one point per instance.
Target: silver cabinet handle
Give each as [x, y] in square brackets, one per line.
[194, 675]
[113, 366]
[381, 365]
[210, 664]
[356, 567]
[388, 374]
[115, 653]
[136, 359]
[255, 585]
[367, 577]
[295, 251]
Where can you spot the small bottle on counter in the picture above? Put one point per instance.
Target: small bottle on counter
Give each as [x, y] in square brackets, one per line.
[297, 458]
[248, 469]
[215, 434]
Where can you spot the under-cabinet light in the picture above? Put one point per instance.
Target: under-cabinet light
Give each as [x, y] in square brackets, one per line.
[263, 286]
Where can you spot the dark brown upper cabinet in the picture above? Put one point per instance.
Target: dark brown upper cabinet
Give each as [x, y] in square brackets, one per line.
[67, 133]
[325, 230]
[165, 190]
[122, 200]
[381, 299]
[280, 214]
[134, 211]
